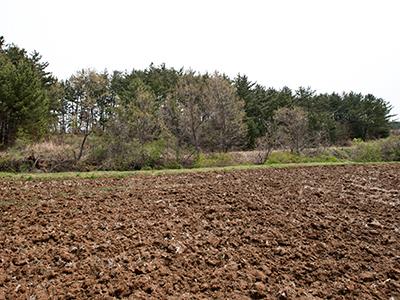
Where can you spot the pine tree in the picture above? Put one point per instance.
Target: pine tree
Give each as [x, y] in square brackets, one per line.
[24, 101]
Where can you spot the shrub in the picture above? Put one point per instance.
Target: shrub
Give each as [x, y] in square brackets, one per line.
[390, 148]
[341, 153]
[153, 153]
[172, 165]
[286, 157]
[283, 157]
[366, 152]
[8, 165]
[134, 156]
[129, 158]
[97, 154]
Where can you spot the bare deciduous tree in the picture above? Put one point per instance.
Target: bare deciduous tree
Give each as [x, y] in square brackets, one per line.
[226, 127]
[186, 111]
[292, 128]
[266, 143]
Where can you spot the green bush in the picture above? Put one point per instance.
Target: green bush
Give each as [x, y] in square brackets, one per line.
[8, 165]
[341, 153]
[121, 156]
[134, 156]
[103, 153]
[213, 160]
[285, 157]
[172, 165]
[390, 148]
[366, 152]
[374, 151]
[153, 153]
[97, 154]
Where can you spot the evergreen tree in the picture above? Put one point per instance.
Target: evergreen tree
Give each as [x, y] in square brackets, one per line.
[24, 101]
[245, 91]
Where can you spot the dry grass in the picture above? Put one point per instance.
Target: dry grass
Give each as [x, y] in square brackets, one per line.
[50, 150]
[248, 157]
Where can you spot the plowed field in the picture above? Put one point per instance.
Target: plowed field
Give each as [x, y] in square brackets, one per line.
[310, 233]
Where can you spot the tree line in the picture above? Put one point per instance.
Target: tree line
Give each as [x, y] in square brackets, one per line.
[183, 109]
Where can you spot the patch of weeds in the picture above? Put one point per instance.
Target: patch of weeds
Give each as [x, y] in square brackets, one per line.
[285, 157]
[213, 160]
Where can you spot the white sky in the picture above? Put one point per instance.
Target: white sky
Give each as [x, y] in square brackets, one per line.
[330, 45]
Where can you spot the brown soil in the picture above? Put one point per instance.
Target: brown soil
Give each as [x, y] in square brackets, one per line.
[310, 233]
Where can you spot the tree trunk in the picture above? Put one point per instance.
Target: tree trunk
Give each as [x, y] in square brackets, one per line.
[82, 146]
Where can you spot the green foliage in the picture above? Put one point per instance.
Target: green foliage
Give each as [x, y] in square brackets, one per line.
[124, 156]
[390, 148]
[157, 116]
[172, 164]
[24, 102]
[366, 151]
[98, 153]
[395, 125]
[213, 160]
[135, 156]
[134, 137]
[341, 153]
[260, 106]
[85, 102]
[372, 151]
[153, 153]
[285, 157]
[387, 149]
[337, 117]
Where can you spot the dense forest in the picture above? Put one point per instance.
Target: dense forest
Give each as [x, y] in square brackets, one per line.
[176, 109]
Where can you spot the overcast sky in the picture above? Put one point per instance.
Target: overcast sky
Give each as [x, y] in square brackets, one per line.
[336, 45]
